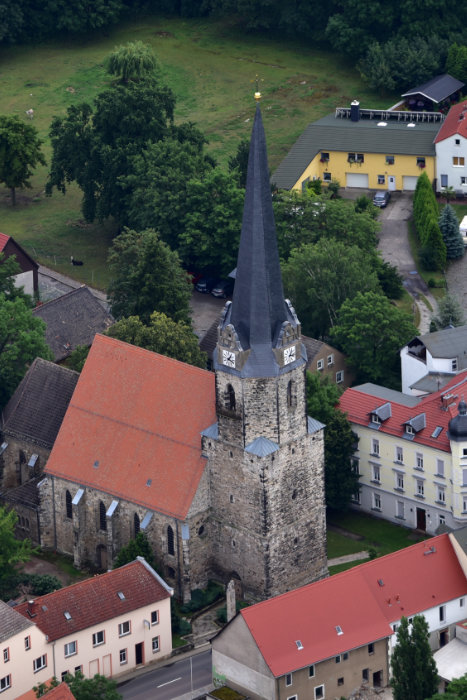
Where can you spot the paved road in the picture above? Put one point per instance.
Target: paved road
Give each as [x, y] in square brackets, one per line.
[183, 680]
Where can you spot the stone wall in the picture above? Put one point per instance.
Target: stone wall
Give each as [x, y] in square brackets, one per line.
[14, 469]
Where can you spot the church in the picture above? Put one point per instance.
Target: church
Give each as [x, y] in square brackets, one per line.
[223, 470]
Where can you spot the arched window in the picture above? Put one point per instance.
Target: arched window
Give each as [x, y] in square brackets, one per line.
[102, 518]
[69, 507]
[170, 540]
[136, 523]
[291, 394]
[230, 397]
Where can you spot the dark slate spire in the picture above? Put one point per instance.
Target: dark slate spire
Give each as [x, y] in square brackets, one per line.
[258, 307]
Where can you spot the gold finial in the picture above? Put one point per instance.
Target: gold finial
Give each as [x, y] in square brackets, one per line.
[257, 93]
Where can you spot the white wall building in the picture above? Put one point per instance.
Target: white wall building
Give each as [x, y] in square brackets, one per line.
[451, 150]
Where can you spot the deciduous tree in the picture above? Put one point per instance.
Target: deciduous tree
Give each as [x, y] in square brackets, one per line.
[414, 673]
[20, 153]
[457, 690]
[137, 547]
[12, 551]
[132, 61]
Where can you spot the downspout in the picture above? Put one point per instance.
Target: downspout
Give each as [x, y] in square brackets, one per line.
[53, 658]
[178, 561]
[55, 520]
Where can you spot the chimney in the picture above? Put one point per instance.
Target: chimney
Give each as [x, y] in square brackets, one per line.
[355, 111]
[31, 608]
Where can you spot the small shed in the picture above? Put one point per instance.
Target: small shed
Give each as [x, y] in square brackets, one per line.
[29, 275]
[432, 94]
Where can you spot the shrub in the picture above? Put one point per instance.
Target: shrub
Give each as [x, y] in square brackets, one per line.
[202, 598]
[42, 584]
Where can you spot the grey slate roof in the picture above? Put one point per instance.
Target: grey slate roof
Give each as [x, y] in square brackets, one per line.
[313, 425]
[35, 411]
[382, 392]
[333, 133]
[448, 343]
[262, 447]
[461, 537]
[437, 89]
[71, 320]
[26, 495]
[431, 382]
[11, 622]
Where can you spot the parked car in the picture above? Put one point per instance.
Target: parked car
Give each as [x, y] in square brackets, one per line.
[205, 284]
[223, 288]
[193, 277]
[381, 198]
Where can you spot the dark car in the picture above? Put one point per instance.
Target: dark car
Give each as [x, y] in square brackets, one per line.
[205, 284]
[381, 198]
[223, 288]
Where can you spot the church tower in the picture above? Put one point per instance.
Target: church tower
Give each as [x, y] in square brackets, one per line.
[266, 456]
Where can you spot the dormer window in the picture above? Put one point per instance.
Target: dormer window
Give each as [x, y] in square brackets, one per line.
[409, 430]
[375, 419]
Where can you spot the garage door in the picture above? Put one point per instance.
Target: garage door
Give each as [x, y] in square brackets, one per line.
[409, 182]
[356, 180]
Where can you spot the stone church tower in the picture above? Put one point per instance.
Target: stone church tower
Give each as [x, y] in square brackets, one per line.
[268, 521]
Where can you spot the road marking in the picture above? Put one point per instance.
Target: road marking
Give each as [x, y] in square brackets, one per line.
[169, 682]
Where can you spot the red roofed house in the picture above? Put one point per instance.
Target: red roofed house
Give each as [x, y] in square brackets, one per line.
[325, 639]
[107, 624]
[224, 471]
[29, 275]
[411, 454]
[451, 150]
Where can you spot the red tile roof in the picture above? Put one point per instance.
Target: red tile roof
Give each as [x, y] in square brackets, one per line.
[60, 692]
[356, 602]
[3, 240]
[358, 404]
[95, 600]
[454, 124]
[132, 428]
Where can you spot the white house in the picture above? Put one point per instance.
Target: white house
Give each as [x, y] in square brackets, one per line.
[429, 361]
[107, 624]
[411, 454]
[451, 150]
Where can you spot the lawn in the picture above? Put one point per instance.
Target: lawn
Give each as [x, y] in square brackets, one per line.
[211, 66]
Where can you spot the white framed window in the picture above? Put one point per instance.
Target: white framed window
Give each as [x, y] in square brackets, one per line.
[70, 649]
[311, 671]
[123, 654]
[155, 642]
[338, 659]
[355, 466]
[288, 679]
[98, 638]
[463, 180]
[420, 487]
[327, 177]
[464, 451]
[155, 617]
[442, 613]
[458, 161]
[319, 692]
[78, 669]
[6, 655]
[454, 365]
[464, 504]
[457, 142]
[375, 419]
[441, 519]
[399, 455]
[464, 477]
[441, 495]
[320, 365]
[345, 656]
[124, 628]
[376, 501]
[421, 162]
[5, 683]
[375, 447]
[27, 643]
[409, 430]
[389, 160]
[381, 179]
[419, 460]
[376, 473]
[340, 376]
[400, 510]
[399, 481]
[330, 359]
[440, 467]
[355, 498]
[39, 663]
[63, 675]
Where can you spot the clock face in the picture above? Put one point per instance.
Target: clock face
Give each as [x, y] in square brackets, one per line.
[289, 355]
[228, 358]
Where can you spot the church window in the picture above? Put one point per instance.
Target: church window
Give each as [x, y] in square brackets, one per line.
[136, 523]
[229, 397]
[294, 494]
[170, 572]
[231, 498]
[102, 518]
[69, 508]
[291, 394]
[170, 540]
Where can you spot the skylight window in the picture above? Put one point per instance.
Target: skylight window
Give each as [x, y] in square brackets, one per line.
[299, 645]
[67, 615]
[339, 630]
[149, 482]
[437, 431]
[121, 595]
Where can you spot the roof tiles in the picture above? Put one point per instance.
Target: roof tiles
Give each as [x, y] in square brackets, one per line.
[455, 122]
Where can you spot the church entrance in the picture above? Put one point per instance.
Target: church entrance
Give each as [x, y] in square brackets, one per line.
[101, 556]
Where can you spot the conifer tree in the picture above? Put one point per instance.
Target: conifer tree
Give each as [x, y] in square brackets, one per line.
[449, 226]
[413, 667]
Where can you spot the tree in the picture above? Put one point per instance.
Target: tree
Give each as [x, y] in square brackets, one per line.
[341, 480]
[390, 280]
[12, 551]
[22, 339]
[414, 673]
[146, 276]
[20, 153]
[450, 313]
[133, 61]
[320, 277]
[96, 688]
[457, 690]
[9, 267]
[371, 331]
[77, 358]
[435, 244]
[238, 164]
[456, 62]
[137, 547]
[452, 238]
[161, 335]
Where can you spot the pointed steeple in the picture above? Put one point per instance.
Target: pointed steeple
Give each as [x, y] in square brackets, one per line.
[259, 312]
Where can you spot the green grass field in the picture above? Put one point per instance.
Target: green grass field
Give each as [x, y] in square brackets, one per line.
[211, 67]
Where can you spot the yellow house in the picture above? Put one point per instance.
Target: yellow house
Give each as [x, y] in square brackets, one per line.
[363, 148]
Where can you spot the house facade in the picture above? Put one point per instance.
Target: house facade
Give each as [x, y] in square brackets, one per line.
[108, 624]
[411, 454]
[338, 634]
[451, 150]
[363, 148]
